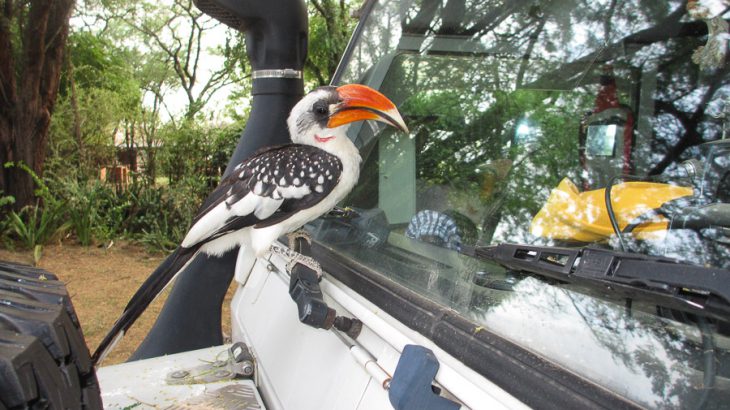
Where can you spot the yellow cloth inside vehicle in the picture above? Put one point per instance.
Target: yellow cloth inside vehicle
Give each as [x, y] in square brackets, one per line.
[572, 215]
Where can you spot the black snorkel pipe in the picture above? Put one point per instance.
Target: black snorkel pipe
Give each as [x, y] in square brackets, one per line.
[276, 45]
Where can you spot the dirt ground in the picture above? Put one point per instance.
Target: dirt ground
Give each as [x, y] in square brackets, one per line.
[100, 282]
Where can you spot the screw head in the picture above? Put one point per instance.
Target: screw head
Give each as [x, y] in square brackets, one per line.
[247, 368]
[179, 374]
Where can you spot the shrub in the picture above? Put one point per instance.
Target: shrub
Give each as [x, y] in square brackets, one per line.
[35, 225]
[159, 216]
[194, 151]
[94, 209]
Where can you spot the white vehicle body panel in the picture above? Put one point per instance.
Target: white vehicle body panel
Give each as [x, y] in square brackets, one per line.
[300, 367]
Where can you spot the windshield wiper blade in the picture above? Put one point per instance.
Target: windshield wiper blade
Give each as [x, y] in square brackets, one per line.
[634, 275]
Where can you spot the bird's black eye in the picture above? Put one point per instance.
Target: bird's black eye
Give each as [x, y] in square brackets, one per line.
[320, 108]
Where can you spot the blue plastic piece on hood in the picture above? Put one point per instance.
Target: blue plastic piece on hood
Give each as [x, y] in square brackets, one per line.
[411, 387]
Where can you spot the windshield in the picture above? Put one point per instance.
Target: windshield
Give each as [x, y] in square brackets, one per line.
[523, 114]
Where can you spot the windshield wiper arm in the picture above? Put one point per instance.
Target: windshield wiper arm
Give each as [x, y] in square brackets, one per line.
[635, 275]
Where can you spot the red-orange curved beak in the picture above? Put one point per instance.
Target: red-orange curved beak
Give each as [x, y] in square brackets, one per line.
[360, 102]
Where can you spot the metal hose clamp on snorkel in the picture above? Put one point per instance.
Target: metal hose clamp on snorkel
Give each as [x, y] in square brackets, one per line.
[277, 73]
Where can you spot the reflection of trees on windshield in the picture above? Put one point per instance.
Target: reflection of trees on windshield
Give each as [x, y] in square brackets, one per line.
[659, 361]
[638, 34]
[496, 97]
[607, 31]
[504, 149]
[634, 339]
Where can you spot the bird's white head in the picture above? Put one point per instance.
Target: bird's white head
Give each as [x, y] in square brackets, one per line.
[323, 116]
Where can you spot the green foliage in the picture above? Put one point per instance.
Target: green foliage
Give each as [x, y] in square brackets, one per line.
[330, 27]
[160, 216]
[37, 224]
[193, 156]
[99, 64]
[93, 146]
[98, 95]
[6, 200]
[175, 38]
[93, 209]
[194, 149]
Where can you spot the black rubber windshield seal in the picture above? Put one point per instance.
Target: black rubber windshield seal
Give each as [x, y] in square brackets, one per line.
[523, 374]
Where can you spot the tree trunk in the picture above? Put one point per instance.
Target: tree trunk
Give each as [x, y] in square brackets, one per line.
[8, 93]
[78, 137]
[28, 88]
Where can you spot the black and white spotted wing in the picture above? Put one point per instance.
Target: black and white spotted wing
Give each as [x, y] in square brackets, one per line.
[266, 189]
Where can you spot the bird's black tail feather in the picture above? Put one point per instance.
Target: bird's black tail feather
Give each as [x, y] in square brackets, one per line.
[146, 293]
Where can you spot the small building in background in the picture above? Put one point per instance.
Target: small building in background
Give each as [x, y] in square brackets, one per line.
[131, 158]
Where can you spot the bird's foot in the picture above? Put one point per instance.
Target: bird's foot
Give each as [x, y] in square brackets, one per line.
[293, 236]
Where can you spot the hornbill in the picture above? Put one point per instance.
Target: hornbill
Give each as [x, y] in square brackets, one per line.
[275, 191]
